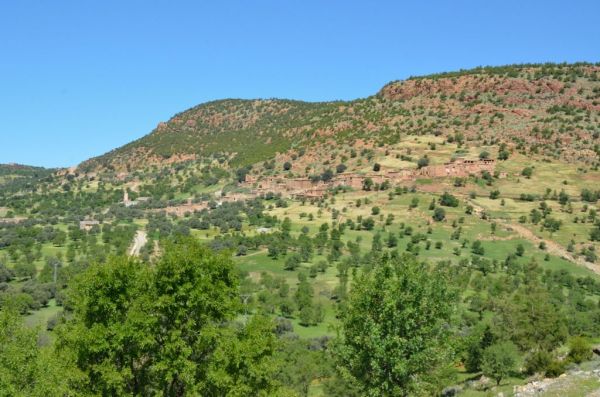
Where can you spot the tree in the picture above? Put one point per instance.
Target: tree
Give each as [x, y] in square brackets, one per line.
[477, 248]
[531, 319]
[520, 250]
[394, 327]
[26, 369]
[144, 330]
[292, 262]
[527, 172]
[414, 203]
[503, 155]
[244, 362]
[499, 360]
[439, 214]
[448, 200]
[423, 162]
[563, 197]
[476, 344]
[287, 166]
[376, 167]
[340, 168]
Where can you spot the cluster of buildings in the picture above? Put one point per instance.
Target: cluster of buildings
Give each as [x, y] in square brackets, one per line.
[306, 188]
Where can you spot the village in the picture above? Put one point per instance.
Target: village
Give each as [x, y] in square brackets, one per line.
[305, 188]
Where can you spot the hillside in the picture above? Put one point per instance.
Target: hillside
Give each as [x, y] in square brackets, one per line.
[550, 110]
[452, 219]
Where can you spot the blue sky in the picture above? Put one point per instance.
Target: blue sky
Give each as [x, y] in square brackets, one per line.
[78, 78]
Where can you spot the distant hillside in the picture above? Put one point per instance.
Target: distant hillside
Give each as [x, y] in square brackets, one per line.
[17, 177]
[550, 110]
[22, 170]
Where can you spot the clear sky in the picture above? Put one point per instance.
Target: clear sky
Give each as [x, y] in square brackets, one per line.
[78, 78]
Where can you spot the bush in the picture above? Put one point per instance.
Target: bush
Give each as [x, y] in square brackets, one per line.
[527, 172]
[555, 368]
[448, 200]
[537, 362]
[439, 214]
[25, 269]
[6, 274]
[579, 350]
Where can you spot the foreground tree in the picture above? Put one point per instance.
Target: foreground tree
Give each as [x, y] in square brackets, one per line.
[137, 329]
[26, 369]
[394, 329]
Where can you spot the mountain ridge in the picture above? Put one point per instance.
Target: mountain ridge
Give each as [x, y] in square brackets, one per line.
[521, 105]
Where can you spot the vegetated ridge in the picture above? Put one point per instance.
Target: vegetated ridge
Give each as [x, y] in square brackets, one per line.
[546, 109]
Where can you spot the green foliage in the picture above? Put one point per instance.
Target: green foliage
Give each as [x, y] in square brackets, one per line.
[499, 360]
[579, 350]
[423, 162]
[142, 330]
[26, 369]
[394, 328]
[439, 214]
[527, 172]
[531, 320]
[448, 200]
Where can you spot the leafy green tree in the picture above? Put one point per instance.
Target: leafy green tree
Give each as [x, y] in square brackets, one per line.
[423, 162]
[530, 319]
[520, 250]
[448, 200]
[26, 369]
[244, 362]
[142, 330]
[499, 361]
[477, 248]
[340, 168]
[292, 262]
[476, 344]
[527, 172]
[414, 202]
[439, 214]
[394, 328]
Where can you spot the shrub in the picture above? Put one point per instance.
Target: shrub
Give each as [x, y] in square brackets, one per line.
[579, 350]
[439, 214]
[448, 200]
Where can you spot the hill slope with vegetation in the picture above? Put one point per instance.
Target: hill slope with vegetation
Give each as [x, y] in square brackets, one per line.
[548, 110]
[439, 238]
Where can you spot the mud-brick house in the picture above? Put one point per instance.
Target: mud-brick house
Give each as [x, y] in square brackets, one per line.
[87, 225]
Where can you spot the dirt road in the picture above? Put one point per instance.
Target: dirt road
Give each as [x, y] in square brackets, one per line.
[139, 241]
